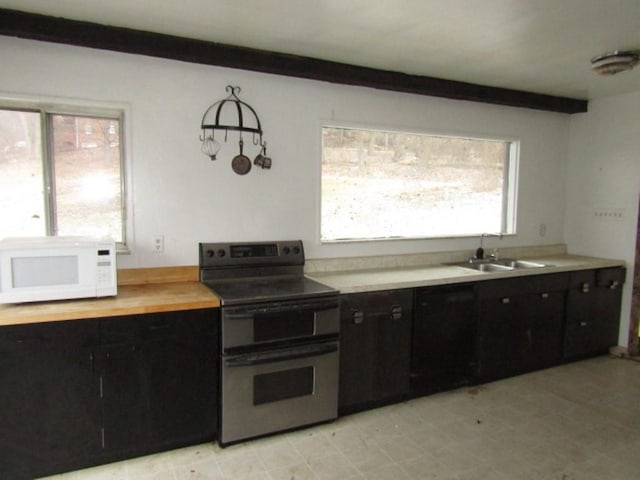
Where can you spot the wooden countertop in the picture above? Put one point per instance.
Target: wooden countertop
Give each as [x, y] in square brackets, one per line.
[140, 291]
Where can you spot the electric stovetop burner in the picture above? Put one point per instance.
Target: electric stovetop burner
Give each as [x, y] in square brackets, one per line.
[242, 273]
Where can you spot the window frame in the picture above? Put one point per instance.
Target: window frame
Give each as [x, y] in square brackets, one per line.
[511, 165]
[47, 109]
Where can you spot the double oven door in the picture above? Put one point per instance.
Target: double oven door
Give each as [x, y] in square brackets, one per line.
[279, 367]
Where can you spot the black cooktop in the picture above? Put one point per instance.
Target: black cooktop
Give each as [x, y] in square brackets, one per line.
[258, 272]
[267, 289]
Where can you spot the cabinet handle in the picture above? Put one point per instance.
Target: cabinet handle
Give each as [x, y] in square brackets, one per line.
[396, 312]
[358, 317]
[583, 324]
[506, 300]
[614, 285]
[544, 295]
[585, 287]
[159, 327]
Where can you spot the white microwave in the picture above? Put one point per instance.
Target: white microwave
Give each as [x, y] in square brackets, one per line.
[56, 268]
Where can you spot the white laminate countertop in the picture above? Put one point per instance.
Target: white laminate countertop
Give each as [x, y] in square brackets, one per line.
[366, 280]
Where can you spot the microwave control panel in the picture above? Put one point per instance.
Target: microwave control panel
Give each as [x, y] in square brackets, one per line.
[106, 277]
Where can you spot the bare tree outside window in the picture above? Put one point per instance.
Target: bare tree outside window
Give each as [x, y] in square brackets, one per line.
[60, 175]
[21, 175]
[86, 159]
[383, 185]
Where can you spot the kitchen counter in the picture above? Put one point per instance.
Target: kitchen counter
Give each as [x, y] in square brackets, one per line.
[150, 290]
[389, 278]
[140, 291]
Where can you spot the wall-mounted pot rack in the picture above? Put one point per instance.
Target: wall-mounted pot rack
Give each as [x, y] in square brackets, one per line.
[233, 115]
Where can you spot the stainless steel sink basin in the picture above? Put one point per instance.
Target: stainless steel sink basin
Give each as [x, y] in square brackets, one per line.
[510, 262]
[483, 266]
[503, 265]
[488, 267]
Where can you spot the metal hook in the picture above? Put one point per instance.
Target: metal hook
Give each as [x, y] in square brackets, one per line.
[233, 90]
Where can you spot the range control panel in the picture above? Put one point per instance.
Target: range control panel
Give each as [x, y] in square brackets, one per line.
[239, 254]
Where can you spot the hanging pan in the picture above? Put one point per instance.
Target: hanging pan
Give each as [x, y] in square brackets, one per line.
[241, 163]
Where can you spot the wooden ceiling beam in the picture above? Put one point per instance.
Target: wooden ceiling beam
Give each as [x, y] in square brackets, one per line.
[93, 35]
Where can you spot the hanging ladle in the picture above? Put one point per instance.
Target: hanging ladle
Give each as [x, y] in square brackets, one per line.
[241, 163]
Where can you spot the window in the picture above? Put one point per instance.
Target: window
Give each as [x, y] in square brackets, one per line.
[384, 185]
[61, 174]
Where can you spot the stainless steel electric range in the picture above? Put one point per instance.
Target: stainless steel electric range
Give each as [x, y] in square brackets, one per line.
[279, 338]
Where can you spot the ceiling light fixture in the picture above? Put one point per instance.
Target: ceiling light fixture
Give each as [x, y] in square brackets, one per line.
[615, 62]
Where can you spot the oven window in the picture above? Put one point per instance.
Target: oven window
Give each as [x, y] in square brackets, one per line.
[281, 325]
[272, 387]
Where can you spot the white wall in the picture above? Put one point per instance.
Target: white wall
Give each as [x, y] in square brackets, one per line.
[180, 193]
[604, 173]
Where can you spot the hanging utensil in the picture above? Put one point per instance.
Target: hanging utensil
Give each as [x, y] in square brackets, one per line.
[261, 159]
[210, 146]
[241, 163]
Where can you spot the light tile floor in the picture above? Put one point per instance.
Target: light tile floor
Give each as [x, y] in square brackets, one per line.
[575, 422]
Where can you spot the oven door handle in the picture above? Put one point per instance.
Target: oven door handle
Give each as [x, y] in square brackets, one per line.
[281, 355]
[252, 313]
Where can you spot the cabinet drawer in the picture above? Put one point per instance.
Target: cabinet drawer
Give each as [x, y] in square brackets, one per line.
[509, 287]
[378, 303]
[588, 337]
[610, 277]
[436, 299]
[553, 282]
[582, 280]
[505, 287]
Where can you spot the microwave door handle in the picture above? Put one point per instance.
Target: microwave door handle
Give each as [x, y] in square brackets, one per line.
[281, 356]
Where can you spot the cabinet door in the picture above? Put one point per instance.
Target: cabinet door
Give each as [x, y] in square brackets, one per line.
[393, 347]
[49, 408]
[159, 381]
[520, 326]
[443, 338]
[544, 316]
[357, 353]
[375, 338]
[503, 342]
[609, 282]
[593, 311]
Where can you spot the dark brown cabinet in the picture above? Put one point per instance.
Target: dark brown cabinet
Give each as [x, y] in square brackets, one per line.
[49, 413]
[158, 387]
[443, 338]
[85, 392]
[593, 311]
[520, 324]
[80, 393]
[375, 337]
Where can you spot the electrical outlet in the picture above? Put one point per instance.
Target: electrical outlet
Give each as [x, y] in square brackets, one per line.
[542, 229]
[158, 243]
[607, 214]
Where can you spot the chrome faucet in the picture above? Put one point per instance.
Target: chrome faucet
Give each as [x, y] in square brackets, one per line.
[480, 251]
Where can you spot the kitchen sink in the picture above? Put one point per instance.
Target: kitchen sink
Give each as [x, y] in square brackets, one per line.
[486, 267]
[510, 262]
[504, 265]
